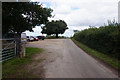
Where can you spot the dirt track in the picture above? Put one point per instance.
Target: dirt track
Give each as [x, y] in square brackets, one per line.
[63, 59]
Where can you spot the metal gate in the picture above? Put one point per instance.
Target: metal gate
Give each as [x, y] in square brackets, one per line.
[8, 50]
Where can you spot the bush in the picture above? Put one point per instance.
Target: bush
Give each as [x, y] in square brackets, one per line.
[105, 39]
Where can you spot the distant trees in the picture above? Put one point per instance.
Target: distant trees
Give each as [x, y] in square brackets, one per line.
[55, 27]
[75, 31]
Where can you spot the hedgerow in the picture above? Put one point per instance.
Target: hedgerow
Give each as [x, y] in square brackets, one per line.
[105, 39]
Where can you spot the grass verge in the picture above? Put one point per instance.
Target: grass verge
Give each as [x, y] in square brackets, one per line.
[105, 58]
[15, 68]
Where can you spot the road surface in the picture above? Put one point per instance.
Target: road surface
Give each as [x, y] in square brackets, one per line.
[65, 60]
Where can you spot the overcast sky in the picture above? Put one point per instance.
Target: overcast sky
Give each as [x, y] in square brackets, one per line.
[80, 14]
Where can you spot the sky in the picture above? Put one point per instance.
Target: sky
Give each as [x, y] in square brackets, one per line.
[80, 14]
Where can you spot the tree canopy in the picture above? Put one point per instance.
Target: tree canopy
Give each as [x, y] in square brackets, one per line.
[21, 16]
[55, 27]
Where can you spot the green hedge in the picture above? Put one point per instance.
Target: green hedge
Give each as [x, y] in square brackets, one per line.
[105, 39]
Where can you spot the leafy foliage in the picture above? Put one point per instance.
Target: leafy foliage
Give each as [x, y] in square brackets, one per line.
[21, 16]
[55, 27]
[105, 39]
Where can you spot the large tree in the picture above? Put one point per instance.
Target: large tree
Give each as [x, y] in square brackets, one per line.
[55, 27]
[18, 17]
[21, 16]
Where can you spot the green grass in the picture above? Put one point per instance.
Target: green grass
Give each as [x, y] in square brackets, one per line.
[112, 61]
[15, 68]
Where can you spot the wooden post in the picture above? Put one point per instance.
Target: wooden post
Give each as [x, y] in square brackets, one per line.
[17, 47]
[23, 50]
[18, 44]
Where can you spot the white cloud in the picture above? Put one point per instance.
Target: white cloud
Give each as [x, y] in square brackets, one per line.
[44, 5]
[79, 14]
[92, 12]
[37, 32]
[63, 9]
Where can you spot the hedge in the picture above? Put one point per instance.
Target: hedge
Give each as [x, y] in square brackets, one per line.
[105, 39]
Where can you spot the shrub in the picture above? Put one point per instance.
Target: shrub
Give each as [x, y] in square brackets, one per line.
[105, 39]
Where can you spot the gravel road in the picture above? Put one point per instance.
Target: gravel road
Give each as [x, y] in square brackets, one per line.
[63, 59]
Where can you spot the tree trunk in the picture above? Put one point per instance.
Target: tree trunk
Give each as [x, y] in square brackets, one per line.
[56, 35]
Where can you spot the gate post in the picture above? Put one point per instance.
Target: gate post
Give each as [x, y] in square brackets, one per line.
[23, 50]
[20, 49]
[17, 47]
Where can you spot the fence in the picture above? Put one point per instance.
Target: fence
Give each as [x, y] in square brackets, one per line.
[8, 50]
